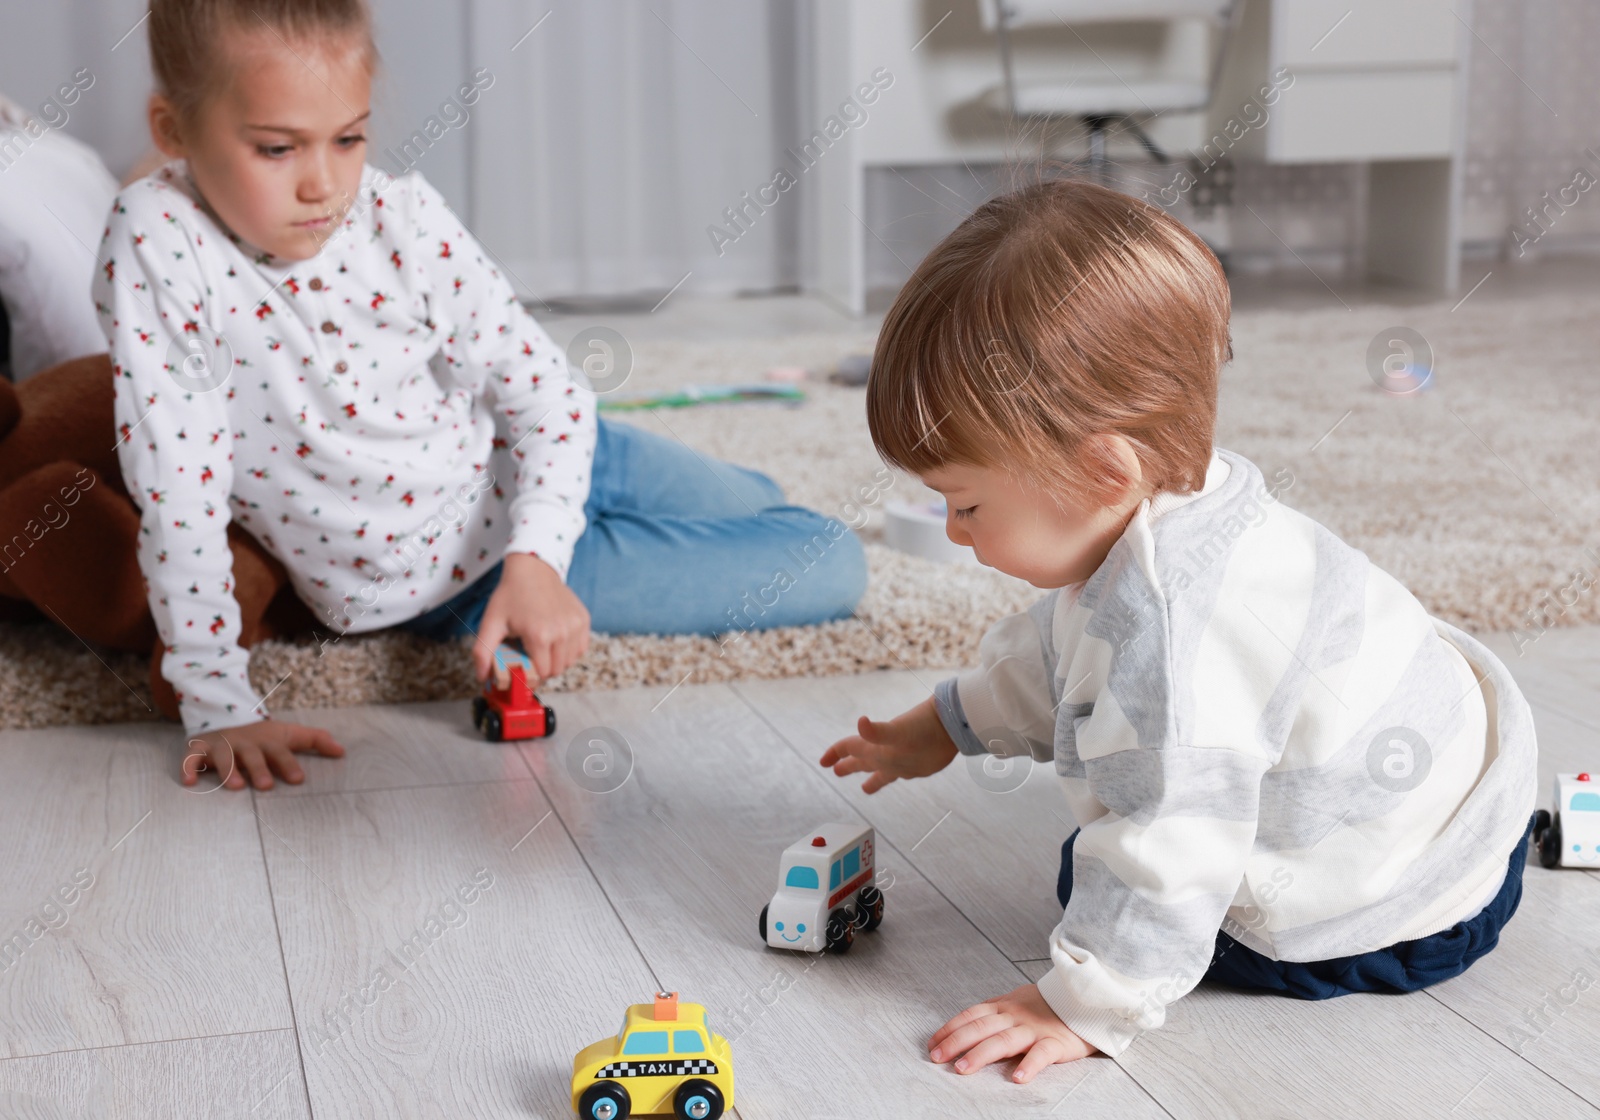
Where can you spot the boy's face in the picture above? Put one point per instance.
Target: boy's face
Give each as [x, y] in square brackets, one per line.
[1022, 531]
[278, 153]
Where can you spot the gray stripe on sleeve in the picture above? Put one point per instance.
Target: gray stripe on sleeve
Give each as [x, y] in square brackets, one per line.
[1133, 935]
[947, 702]
[1335, 622]
[1300, 807]
[1492, 819]
[1143, 785]
[1193, 546]
[1128, 616]
[1069, 764]
[1043, 614]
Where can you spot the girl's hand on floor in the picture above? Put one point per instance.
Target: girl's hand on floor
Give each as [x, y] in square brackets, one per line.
[256, 751]
[1019, 1022]
[532, 603]
[911, 745]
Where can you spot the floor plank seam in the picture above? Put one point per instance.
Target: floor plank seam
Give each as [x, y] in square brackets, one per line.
[1594, 1106]
[283, 965]
[655, 977]
[143, 1042]
[839, 794]
[424, 785]
[1538, 699]
[733, 686]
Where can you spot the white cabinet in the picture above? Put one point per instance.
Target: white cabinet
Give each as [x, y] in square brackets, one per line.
[1341, 115]
[1401, 33]
[1379, 81]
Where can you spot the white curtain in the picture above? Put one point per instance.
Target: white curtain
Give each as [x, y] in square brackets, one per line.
[1533, 99]
[618, 131]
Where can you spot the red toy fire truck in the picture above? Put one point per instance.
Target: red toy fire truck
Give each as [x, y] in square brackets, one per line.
[508, 709]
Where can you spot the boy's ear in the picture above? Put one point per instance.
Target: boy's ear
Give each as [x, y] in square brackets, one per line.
[165, 132]
[1113, 468]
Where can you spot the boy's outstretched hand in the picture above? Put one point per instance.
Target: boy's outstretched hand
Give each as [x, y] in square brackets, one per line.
[913, 744]
[1019, 1022]
[253, 752]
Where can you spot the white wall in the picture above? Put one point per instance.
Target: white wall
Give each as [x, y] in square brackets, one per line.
[44, 44]
[616, 133]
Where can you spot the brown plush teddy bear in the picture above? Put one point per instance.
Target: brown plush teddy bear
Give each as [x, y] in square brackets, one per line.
[68, 526]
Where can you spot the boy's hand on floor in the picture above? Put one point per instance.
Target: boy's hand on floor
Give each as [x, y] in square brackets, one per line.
[1019, 1022]
[911, 745]
[256, 751]
[533, 604]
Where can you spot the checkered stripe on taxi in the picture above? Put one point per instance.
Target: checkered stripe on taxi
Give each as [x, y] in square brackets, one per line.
[684, 1068]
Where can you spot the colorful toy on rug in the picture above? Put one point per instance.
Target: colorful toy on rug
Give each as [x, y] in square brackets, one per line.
[691, 395]
[852, 370]
[508, 709]
[1573, 840]
[664, 1060]
[804, 916]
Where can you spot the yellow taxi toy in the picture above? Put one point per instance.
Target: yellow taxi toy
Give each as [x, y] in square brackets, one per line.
[664, 1060]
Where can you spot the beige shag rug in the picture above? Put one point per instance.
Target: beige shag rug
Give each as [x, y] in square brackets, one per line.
[1480, 494]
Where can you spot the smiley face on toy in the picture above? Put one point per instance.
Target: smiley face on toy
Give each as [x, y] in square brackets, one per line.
[799, 931]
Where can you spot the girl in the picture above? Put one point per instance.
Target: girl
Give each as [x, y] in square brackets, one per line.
[311, 348]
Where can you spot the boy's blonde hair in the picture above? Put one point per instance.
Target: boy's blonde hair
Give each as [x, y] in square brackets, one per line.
[1051, 314]
[186, 37]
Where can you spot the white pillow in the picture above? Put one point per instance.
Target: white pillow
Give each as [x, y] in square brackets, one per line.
[55, 194]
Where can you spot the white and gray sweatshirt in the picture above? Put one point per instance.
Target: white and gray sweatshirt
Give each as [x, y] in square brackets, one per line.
[1257, 731]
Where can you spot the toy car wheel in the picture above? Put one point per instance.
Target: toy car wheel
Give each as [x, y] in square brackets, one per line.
[1541, 821]
[1550, 843]
[549, 721]
[764, 922]
[493, 727]
[869, 909]
[841, 931]
[604, 1100]
[479, 707]
[697, 1100]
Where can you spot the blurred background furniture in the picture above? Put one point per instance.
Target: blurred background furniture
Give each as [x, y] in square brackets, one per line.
[1382, 84]
[1108, 100]
[616, 133]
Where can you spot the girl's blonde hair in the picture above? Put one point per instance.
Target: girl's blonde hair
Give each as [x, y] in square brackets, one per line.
[186, 39]
[1054, 313]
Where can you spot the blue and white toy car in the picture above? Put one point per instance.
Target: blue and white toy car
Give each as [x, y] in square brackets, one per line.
[1571, 838]
[825, 891]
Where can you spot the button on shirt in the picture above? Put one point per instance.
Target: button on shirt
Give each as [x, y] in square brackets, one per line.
[342, 409]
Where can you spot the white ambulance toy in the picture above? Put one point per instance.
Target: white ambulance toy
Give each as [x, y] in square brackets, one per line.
[825, 891]
[1571, 838]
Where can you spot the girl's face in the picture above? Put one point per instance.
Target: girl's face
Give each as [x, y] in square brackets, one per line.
[278, 153]
[1019, 529]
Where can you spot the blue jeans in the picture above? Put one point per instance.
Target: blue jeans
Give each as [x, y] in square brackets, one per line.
[1408, 966]
[678, 543]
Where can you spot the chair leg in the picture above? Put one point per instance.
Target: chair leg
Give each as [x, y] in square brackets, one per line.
[1149, 145]
[1099, 168]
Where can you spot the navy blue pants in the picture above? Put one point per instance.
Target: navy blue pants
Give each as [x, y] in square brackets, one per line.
[1406, 967]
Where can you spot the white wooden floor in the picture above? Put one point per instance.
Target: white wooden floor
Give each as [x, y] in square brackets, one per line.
[298, 953]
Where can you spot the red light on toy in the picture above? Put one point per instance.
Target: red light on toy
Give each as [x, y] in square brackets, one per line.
[818, 842]
[1584, 777]
[666, 1007]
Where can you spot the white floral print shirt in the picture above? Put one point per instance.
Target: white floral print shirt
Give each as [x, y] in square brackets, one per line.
[341, 409]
